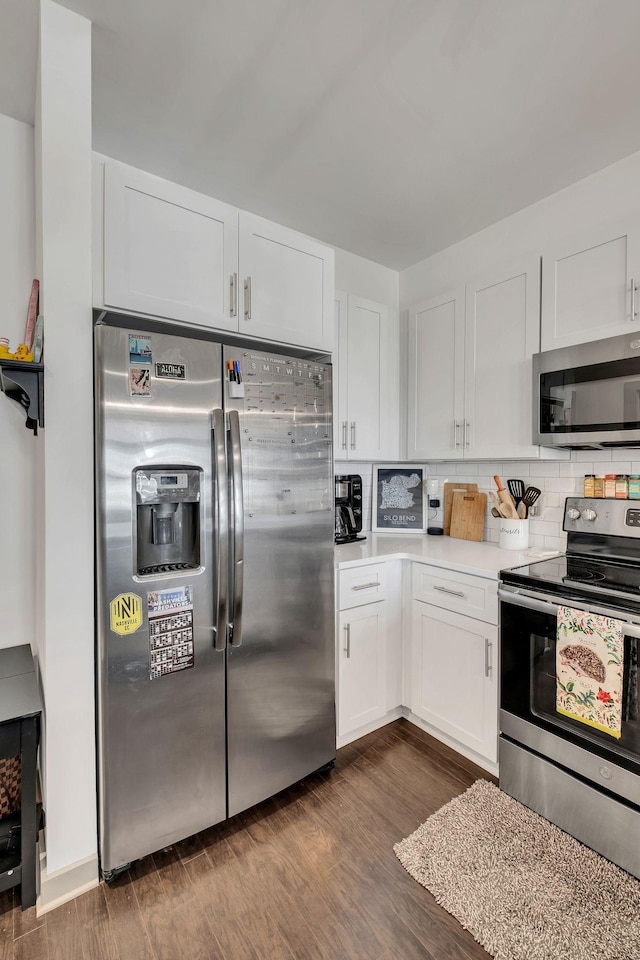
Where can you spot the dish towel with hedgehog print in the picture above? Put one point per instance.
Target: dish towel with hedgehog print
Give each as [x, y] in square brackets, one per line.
[589, 669]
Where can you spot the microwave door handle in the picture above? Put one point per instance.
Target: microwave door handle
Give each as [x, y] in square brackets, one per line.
[542, 605]
[235, 632]
[221, 528]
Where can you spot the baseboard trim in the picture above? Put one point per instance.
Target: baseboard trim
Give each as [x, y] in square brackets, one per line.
[389, 717]
[65, 884]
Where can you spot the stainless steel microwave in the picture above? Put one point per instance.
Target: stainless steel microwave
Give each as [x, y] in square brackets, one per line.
[588, 396]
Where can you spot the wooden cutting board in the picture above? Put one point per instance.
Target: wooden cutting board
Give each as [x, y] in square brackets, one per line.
[447, 497]
[467, 515]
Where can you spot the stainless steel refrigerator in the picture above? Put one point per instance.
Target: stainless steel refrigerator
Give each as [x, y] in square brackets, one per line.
[214, 599]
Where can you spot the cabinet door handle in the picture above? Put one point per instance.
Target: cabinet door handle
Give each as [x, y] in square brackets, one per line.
[488, 667]
[233, 295]
[454, 593]
[247, 298]
[353, 434]
[347, 649]
[456, 433]
[344, 434]
[634, 290]
[366, 586]
[467, 432]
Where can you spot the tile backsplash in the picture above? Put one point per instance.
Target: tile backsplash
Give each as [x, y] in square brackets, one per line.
[556, 479]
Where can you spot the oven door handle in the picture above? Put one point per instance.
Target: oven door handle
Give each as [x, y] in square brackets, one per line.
[542, 605]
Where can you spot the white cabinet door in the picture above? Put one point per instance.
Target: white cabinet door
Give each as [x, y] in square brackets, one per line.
[501, 336]
[287, 285]
[454, 684]
[168, 251]
[589, 286]
[366, 418]
[362, 664]
[435, 358]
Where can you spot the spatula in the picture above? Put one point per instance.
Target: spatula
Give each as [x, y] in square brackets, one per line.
[516, 489]
[531, 494]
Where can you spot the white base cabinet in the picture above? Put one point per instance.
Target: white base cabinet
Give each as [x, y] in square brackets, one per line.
[362, 652]
[368, 648]
[162, 250]
[454, 685]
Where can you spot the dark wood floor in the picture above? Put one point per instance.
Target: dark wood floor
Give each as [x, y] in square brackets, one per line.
[310, 874]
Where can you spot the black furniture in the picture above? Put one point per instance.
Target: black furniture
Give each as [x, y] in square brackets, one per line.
[20, 709]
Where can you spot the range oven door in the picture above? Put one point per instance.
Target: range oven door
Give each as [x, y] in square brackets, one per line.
[578, 777]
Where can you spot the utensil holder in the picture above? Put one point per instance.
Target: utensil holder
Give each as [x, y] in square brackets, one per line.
[514, 534]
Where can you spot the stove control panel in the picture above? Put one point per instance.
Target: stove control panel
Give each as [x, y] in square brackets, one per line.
[602, 517]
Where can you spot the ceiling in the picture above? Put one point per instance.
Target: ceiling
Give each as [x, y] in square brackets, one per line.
[390, 128]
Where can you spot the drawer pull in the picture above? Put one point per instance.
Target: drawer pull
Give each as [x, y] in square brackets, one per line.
[347, 649]
[487, 658]
[454, 593]
[366, 586]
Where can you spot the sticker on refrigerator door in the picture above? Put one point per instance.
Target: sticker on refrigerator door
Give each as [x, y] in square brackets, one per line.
[139, 382]
[170, 614]
[125, 613]
[171, 371]
[139, 349]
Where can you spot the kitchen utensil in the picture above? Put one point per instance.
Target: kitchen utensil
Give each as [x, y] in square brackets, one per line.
[447, 497]
[496, 513]
[516, 489]
[531, 494]
[521, 510]
[467, 515]
[506, 500]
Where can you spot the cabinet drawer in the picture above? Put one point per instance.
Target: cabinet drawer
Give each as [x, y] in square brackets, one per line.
[359, 585]
[460, 592]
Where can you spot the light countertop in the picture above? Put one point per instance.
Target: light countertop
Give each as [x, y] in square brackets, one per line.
[481, 559]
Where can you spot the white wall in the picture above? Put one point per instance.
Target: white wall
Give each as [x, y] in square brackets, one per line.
[367, 279]
[17, 444]
[65, 456]
[608, 197]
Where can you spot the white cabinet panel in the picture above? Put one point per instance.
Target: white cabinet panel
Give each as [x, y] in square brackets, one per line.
[501, 336]
[587, 286]
[367, 414]
[363, 584]
[454, 683]
[168, 252]
[287, 283]
[362, 664]
[435, 378]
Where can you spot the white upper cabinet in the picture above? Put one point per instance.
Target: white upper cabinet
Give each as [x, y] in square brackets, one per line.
[435, 362]
[287, 285]
[366, 411]
[167, 251]
[589, 286]
[469, 369]
[501, 336]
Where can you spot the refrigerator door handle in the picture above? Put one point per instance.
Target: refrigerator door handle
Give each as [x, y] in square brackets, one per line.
[235, 632]
[221, 528]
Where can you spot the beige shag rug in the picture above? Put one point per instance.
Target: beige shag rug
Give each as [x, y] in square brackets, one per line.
[525, 889]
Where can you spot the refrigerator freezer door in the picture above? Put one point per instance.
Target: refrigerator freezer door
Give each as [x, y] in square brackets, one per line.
[280, 679]
[161, 726]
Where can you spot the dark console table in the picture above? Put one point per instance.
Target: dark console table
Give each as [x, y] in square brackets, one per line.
[20, 709]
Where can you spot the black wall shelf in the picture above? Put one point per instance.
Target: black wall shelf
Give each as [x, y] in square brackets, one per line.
[24, 383]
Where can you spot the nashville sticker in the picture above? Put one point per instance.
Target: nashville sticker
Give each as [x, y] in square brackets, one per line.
[125, 613]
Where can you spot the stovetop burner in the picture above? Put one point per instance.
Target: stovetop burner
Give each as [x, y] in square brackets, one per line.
[583, 575]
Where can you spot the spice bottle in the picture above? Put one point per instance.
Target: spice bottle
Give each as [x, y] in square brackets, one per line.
[598, 485]
[589, 485]
[622, 487]
[610, 485]
[634, 486]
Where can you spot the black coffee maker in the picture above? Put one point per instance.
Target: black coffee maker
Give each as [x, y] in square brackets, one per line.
[348, 508]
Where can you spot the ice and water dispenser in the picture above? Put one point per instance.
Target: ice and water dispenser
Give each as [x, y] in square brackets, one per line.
[167, 519]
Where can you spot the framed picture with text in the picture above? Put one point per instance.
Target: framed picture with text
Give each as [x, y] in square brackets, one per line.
[398, 498]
